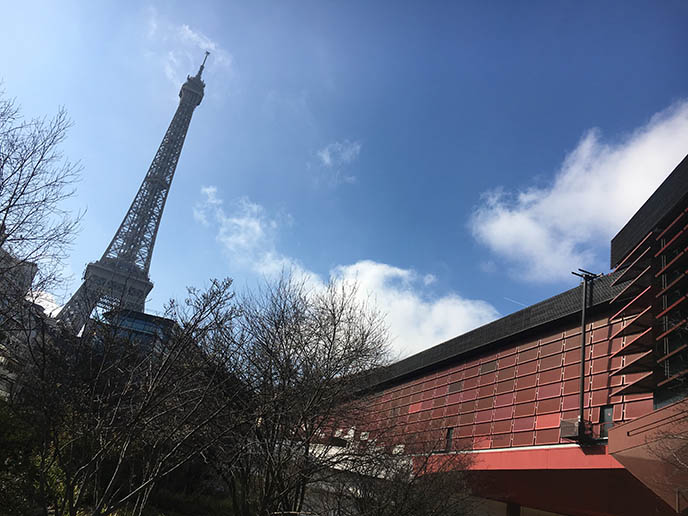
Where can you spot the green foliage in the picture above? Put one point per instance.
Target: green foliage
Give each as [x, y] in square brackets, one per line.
[19, 473]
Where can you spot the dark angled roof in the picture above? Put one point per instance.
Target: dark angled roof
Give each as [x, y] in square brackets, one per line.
[659, 205]
[562, 305]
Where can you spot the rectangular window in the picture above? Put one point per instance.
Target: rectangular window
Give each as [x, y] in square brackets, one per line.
[448, 439]
[606, 420]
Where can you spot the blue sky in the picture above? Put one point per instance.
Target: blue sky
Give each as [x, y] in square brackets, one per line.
[458, 159]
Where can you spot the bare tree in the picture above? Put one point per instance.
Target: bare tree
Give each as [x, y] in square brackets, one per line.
[122, 407]
[35, 179]
[301, 354]
[412, 479]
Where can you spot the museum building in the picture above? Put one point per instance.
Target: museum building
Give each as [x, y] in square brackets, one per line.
[510, 393]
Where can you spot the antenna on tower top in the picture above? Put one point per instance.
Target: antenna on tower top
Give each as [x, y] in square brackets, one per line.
[200, 70]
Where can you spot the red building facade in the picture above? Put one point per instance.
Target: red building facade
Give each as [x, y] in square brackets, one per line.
[509, 392]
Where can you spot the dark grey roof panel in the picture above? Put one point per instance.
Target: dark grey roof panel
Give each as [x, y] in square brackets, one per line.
[659, 205]
[562, 305]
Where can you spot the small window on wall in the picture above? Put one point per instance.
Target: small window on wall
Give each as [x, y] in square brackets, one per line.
[448, 439]
[606, 420]
[488, 367]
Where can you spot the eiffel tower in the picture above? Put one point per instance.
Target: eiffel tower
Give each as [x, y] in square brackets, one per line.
[120, 280]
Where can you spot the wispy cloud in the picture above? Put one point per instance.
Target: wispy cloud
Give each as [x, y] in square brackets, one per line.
[246, 232]
[334, 159]
[544, 233]
[203, 42]
[179, 49]
[417, 318]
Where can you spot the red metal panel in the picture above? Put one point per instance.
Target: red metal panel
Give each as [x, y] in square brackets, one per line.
[549, 391]
[507, 386]
[524, 409]
[482, 443]
[551, 376]
[525, 395]
[470, 383]
[453, 398]
[440, 391]
[504, 399]
[467, 406]
[455, 377]
[487, 378]
[602, 349]
[467, 419]
[524, 423]
[601, 364]
[501, 441]
[526, 368]
[601, 334]
[485, 403]
[506, 373]
[507, 361]
[572, 371]
[550, 436]
[482, 429]
[526, 381]
[470, 372]
[501, 427]
[548, 421]
[600, 381]
[503, 413]
[600, 397]
[469, 394]
[550, 362]
[415, 407]
[526, 356]
[483, 416]
[466, 431]
[552, 348]
[570, 402]
[523, 439]
[451, 410]
[487, 390]
[549, 405]
[572, 357]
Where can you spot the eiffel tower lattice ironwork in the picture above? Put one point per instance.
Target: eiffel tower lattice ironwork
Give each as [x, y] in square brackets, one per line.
[120, 278]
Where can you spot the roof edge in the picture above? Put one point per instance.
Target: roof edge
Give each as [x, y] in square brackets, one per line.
[550, 310]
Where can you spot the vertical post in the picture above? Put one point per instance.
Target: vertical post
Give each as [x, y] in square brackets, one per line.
[581, 426]
[587, 277]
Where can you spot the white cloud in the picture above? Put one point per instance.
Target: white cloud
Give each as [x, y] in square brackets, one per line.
[335, 157]
[339, 153]
[203, 42]
[179, 49]
[544, 233]
[246, 232]
[417, 319]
